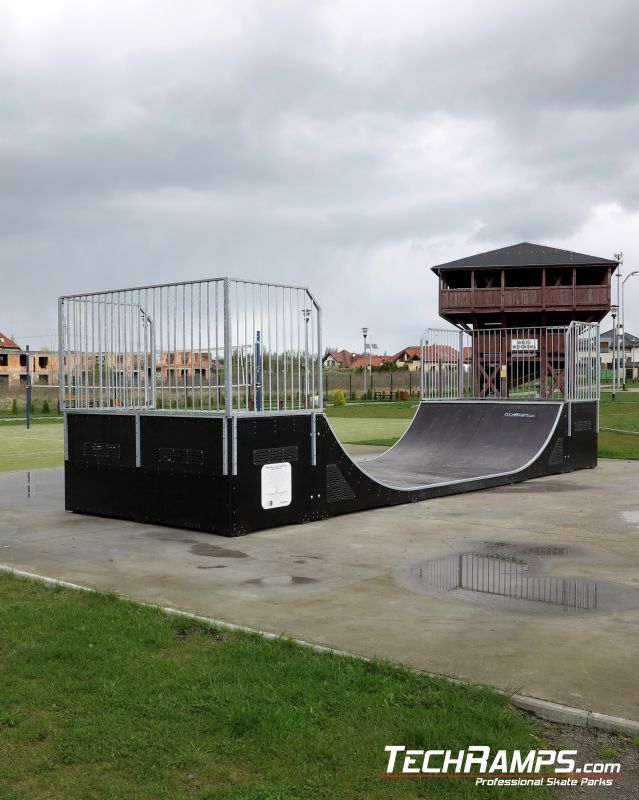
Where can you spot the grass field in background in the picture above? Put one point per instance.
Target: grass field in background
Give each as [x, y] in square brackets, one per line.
[102, 698]
[37, 448]
[368, 430]
[622, 413]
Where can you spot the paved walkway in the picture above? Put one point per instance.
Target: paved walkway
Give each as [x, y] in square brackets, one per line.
[347, 582]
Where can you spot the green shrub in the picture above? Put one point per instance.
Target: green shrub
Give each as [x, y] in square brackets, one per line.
[339, 397]
[45, 407]
[14, 407]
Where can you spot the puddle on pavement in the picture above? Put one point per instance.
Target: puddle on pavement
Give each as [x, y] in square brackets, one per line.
[216, 551]
[512, 549]
[281, 580]
[40, 488]
[514, 576]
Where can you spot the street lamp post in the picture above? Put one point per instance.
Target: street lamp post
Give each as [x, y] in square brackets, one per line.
[613, 314]
[623, 325]
[364, 334]
[619, 260]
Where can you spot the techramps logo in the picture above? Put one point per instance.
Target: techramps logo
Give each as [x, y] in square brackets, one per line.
[524, 414]
[487, 767]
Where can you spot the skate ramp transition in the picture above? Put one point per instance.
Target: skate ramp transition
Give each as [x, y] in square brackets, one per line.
[457, 441]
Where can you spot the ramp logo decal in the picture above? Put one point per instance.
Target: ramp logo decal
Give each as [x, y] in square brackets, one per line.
[277, 485]
[526, 414]
[488, 767]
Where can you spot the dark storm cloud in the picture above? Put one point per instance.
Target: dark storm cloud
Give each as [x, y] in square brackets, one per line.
[342, 145]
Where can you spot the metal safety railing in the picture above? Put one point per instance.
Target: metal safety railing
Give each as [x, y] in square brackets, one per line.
[506, 576]
[213, 346]
[527, 363]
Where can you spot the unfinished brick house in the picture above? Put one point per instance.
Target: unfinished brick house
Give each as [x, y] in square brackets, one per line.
[43, 365]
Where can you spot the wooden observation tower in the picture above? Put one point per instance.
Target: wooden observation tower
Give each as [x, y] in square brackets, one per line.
[516, 303]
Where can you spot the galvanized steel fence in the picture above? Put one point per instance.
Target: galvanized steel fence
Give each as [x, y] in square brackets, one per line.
[217, 345]
[507, 576]
[531, 363]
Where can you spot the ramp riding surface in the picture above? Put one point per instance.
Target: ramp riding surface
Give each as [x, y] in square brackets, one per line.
[462, 440]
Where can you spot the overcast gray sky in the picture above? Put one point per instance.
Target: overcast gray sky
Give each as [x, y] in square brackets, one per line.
[346, 146]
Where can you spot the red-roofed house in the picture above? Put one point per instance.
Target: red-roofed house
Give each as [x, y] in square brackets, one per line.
[6, 343]
[339, 359]
[369, 361]
[410, 357]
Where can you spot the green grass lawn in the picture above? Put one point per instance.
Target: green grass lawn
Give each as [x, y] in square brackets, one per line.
[37, 448]
[103, 698]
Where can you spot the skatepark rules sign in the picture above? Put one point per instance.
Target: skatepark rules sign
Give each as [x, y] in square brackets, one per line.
[276, 485]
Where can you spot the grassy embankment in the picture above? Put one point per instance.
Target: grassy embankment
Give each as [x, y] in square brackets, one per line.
[103, 698]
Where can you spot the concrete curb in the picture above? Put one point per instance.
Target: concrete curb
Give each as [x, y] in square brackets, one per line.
[545, 709]
[568, 715]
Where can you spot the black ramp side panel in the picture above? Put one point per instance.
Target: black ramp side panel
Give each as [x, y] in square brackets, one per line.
[449, 448]
[457, 441]
[263, 440]
[189, 445]
[101, 438]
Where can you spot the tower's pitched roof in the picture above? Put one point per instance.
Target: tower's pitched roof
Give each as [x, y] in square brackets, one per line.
[525, 254]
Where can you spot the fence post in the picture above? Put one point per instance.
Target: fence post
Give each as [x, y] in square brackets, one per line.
[28, 388]
[460, 572]
[61, 364]
[228, 350]
[460, 376]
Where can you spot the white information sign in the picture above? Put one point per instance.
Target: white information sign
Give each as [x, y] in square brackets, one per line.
[276, 485]
[524, 345]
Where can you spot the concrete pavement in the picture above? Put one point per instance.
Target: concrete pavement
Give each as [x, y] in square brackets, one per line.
[346, 583]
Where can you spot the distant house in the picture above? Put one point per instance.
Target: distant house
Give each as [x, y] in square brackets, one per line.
[435, 355]
[629, 357]
[43, 365]
[410, 357]
[6, 343]
[339, 359]
[359, 362]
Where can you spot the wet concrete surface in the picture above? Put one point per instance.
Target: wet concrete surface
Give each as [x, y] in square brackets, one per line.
[339, 582]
